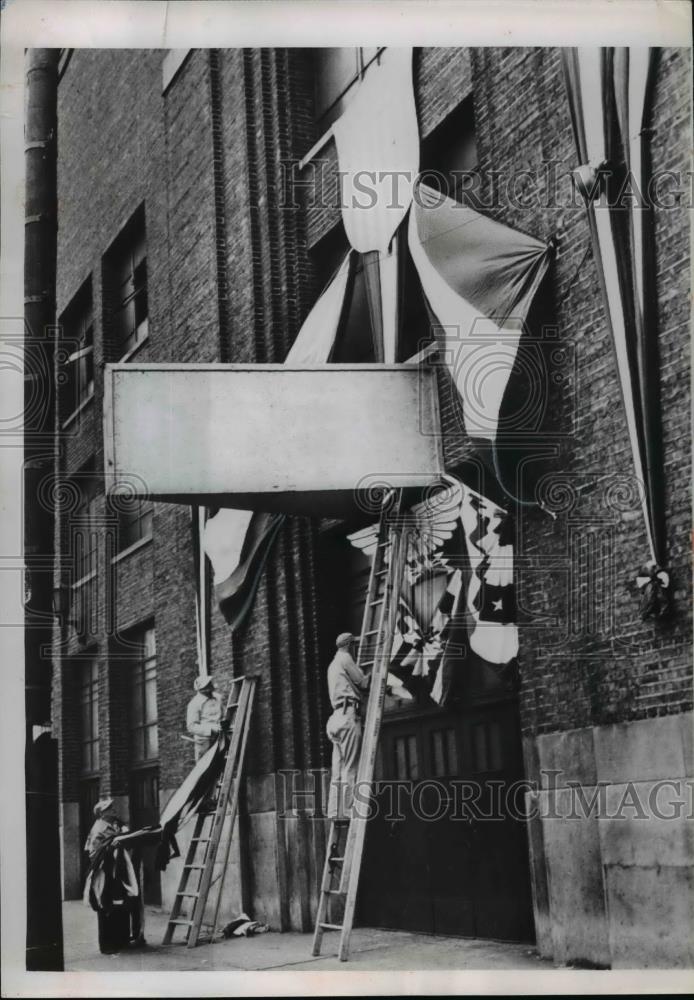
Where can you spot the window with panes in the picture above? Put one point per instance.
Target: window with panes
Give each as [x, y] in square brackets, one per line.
[78, 335]
[89, 717]
[126, 275]
[84, 541]
[144, 731]
[134, 524]
[337, 74]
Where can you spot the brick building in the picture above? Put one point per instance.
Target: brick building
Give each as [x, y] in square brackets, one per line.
[188, 233]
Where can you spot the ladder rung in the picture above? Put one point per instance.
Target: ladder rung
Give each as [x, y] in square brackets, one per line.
[193, 895]
[379, 600]
[333, 892]
[181, 921]
[372, 631]
[335, 858]
[331, 927]
[201, 840]
[194, 867]
[382, 572]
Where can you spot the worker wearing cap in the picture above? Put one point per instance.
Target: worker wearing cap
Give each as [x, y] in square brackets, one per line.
[107, 824]
[204, 714]
[347, 685]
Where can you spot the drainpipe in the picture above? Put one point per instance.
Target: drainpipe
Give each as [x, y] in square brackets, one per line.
[44, 942]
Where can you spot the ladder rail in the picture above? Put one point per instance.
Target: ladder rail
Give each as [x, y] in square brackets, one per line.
[239, 701]
[218, 820]
[233, 811]
[374, 709]
[383, 609]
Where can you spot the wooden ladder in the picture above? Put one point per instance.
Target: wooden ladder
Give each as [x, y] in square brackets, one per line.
[203, 849]
[345, 846]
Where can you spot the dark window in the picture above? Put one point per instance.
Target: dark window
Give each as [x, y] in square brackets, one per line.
[89, 717]
[337, 72]
[78, 336]
[134, 524]
[126, 278]
[144, 730]
[448, 161]
[84, 540]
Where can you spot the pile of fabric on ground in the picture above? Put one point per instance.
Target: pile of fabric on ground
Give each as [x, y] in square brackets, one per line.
[243, 926]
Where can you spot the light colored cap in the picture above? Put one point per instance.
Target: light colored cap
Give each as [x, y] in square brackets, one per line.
[200, 683]
[344, 639]
[102, 806]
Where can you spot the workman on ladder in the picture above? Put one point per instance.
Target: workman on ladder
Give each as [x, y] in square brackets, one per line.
[204, 714]
[347, 685]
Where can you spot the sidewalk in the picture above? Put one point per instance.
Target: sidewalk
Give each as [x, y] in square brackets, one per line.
[370, 949]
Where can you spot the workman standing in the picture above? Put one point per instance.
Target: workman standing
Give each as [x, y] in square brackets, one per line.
[347, 685]
[204, 714]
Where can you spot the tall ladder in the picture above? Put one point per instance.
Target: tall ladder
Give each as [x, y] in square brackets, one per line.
[345, 846]
[203, 849]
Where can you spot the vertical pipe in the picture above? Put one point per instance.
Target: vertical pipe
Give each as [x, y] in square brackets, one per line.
[44, 946]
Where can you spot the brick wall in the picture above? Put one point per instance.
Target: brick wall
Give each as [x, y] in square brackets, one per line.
[231, 275]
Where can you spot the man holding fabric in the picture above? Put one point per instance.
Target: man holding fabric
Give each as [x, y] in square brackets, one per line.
[347, 684]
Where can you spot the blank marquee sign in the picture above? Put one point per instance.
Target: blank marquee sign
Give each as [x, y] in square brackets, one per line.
[269, 437]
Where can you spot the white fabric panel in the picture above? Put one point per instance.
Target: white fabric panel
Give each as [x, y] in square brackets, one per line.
[479, 355]
[589, 62]
[495, 642]
[388, 268]
[225, 532]
[317, 335]
[377, 141]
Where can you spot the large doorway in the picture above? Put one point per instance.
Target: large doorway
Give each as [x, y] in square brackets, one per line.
[437, 864]
[448, 856]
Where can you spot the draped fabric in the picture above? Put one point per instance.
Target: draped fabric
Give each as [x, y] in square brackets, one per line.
[609, 101]
[196, 787]
[238, 542]
[458, 599]
[377, 142]
[479, 278]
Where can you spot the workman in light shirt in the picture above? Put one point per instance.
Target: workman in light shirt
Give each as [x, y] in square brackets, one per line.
[347, 686]
[204, 714]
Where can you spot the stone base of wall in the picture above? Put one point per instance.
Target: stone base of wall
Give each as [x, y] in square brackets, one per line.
[612, 843]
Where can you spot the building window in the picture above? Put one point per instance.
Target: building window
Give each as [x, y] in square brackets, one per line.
[337, 73]
[134, 524]
[84, 540]
[89, 717]
[144, 732]
[78, 335]
[125, 274]
[449, 161]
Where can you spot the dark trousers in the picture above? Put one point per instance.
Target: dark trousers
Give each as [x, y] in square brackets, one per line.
[114, 928]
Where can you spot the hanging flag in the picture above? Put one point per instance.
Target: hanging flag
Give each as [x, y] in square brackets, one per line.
[479, 278]
[238, 542]
[609, 103]
[490, 605]
[377, 142]
[464, 535]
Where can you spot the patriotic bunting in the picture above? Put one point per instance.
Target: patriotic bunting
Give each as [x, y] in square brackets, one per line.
[464, 538]
[609, 102]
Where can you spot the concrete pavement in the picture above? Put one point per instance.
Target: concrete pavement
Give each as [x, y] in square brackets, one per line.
[371, 949]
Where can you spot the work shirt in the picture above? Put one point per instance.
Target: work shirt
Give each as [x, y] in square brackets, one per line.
[345, 678]
[204, 714]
